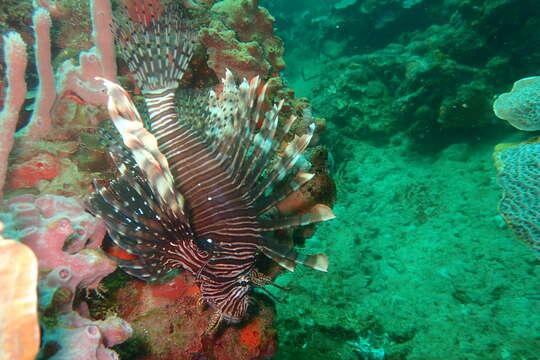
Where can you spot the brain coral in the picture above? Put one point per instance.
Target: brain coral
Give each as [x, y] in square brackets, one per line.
[521, 106]
[519, 176]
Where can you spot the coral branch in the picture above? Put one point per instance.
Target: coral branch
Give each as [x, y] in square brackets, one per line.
[51, 6]
[103, 37]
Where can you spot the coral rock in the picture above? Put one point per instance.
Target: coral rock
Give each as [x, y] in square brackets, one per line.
[240, 38]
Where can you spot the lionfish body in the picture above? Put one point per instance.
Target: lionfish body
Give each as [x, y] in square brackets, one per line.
[196, 191]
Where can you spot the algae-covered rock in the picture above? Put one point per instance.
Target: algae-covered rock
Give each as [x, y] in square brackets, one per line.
[411, 70]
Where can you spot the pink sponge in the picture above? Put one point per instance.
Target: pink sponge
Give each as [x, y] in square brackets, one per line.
[62, 234]
[66, 241]
[57, 229]
[85, 339]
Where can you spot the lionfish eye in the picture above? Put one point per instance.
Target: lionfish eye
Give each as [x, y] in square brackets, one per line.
[206, 244]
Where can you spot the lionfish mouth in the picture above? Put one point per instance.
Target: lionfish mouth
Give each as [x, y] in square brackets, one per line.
[196, 189]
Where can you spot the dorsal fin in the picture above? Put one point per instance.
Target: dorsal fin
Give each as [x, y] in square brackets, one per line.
[156, 42]
[231, 129]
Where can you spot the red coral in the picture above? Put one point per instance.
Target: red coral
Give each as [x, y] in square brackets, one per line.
[138, 10]
[250, 335]
[31, 172]
[172, 290]
[169, 320]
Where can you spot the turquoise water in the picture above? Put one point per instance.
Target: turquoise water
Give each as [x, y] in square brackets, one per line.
[423, 264]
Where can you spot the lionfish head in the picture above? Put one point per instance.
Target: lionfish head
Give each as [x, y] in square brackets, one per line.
[233, 302]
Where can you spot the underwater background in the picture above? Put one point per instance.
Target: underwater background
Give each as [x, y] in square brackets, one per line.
[414, 148]
[423, 265]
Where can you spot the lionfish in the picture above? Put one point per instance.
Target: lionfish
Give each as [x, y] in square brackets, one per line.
[197, 190]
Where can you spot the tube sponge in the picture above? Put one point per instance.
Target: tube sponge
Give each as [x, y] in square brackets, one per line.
[16, 59]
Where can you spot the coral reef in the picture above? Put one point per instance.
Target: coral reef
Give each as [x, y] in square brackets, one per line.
[240, 37]
[14, 13]
[65, 239]
[80, 80]
[423, 264]
[419, 74]
[76, 81]
[420, 262]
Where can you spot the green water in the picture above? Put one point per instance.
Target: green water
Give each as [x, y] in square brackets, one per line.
[422, 264]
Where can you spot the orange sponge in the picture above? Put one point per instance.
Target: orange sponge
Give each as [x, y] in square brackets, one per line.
[19, 328]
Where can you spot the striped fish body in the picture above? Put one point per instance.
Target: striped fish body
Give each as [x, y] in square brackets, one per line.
[218, 206]
[195, 191]
[219, 212]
